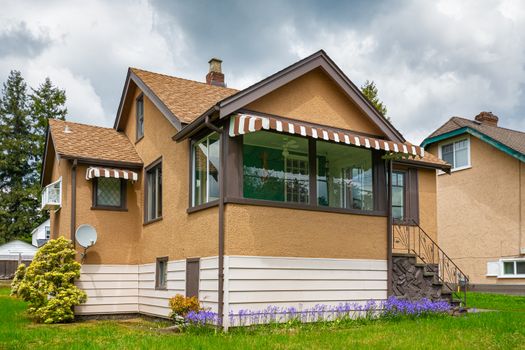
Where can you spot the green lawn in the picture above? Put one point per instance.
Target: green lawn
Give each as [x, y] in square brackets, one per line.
[503, 329]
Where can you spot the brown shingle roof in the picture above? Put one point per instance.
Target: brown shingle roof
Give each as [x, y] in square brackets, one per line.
[186, 99]
[92, 142]
[511, 138]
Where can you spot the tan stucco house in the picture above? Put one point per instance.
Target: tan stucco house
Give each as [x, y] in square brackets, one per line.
[275, 194]
[481, 204]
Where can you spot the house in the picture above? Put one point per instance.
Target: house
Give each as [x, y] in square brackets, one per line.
[41, 234]
[12, 254]
[481, 204]
[274, 194]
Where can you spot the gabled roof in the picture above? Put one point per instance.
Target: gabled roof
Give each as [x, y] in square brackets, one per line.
[180, 100]
[92, 143]
[509, 141]
[317, 60]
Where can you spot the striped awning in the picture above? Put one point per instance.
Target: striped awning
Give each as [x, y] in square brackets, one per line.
[245, 123]
[115, 173]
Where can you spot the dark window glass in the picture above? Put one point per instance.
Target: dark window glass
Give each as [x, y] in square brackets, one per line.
[108, 192]
[276, 167]
[398, 195]
[162, 273]
[508, 267]
[447, 153]
[520, 267]
[206, 166]
[140, 117]
[154, 192]
[344, 176]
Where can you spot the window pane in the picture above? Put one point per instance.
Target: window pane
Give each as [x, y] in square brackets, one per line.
[447, 153]
[140, 117]
[108, 192]
[213, 167]
[344, 178]
[154, 200]
[461, 158]
[200, 151]
[520, 267]
[158, 197]
[275, 167]
[508, 267]
[397, 196]
[152, 187]
[397, 213]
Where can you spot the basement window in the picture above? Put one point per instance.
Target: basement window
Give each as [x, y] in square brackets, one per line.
[161, 273]
[514, 268]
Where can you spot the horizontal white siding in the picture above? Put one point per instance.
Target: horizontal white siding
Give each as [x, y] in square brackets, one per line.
[257, 282]
[208, 282]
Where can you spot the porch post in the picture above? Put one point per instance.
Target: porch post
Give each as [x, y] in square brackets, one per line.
[389, 228]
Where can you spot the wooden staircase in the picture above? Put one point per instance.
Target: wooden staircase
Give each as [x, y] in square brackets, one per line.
[421, 269]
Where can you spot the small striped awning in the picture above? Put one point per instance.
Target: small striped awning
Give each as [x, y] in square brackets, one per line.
[245, 123]
[115, 173]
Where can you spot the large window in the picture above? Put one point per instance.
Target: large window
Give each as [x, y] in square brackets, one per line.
[398, 195]
[109, 193]
[456, 154]
[344, 176]
[140, 117]
[153, 192]
[206, 163]
[276, 167]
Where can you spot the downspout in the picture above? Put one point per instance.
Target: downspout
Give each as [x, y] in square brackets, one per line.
[220, 289]
[389, 230]
[73, 201]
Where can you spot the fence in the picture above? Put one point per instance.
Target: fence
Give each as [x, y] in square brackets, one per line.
[9, 264]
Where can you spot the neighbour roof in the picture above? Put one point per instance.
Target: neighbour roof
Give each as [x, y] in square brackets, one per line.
[431, 160]
[512, 139]
[88, 142]
[186, 99]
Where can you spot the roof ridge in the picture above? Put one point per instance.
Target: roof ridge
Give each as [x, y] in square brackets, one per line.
[492, 126]
[84, 124]
[185, 79]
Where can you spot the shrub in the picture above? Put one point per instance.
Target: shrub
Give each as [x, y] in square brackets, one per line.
[19, 276]
[181, 305]
[48, 285]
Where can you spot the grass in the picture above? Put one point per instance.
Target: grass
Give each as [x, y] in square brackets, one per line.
[503, 329]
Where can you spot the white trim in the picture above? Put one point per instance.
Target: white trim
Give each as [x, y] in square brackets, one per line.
[501, 271]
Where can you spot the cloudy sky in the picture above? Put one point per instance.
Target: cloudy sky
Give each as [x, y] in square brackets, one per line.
[430, 59]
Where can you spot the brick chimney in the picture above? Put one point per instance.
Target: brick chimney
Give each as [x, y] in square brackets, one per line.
[215, 76]
[487, 118]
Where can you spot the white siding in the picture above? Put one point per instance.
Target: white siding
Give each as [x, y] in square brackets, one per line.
[11, 250]
[256, 282]
[208, 282]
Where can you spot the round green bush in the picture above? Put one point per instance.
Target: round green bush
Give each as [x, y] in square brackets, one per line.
[48, 283]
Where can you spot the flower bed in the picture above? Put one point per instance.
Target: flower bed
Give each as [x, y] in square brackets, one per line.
[390, 308]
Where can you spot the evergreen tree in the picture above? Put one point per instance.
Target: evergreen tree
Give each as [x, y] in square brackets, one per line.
[47, 102]
[19, 190]
[369, 89]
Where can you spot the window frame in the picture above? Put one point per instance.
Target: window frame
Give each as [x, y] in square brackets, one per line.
[123, 197]
[47, 229]
[193, 142]
[158, 285]
[453, 141]
[139, 136]
[502, 273]
[405, 196]
[155, 164]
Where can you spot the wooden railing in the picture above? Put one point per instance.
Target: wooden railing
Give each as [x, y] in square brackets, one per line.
[409, 237]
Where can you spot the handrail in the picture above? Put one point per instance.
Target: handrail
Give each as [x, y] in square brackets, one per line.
[425, 248]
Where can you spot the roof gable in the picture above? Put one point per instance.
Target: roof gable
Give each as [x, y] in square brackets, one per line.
[318, 60]
[509, 141]
[180, 100]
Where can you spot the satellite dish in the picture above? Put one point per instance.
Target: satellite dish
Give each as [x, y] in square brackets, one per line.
[86, 235]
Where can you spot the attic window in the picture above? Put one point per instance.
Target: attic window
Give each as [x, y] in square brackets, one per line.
[140, 117]
[456, 153]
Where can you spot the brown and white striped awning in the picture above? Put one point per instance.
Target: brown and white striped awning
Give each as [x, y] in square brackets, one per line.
[245, 123]
[115, 173]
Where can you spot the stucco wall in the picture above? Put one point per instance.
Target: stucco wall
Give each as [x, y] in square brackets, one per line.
[315, 98]
[479, 211]
[265, 231]
[427, 184]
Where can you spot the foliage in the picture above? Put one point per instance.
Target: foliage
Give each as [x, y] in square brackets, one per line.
[181, 305]
[22, 137]
[48, 284]
[19, 276]
[369, 89]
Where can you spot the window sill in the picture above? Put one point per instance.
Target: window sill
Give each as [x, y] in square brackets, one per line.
[151, 221]
[453, 170]
[287, 205]
[512, 277]
[161, 288]
[204, 206]
[109, 208]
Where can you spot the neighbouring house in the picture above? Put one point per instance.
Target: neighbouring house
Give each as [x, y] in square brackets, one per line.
[41, 234]
[274, 194]
[481, 204]
[12, 254]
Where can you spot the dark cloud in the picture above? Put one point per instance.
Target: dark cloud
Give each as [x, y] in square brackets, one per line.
[19, 41]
